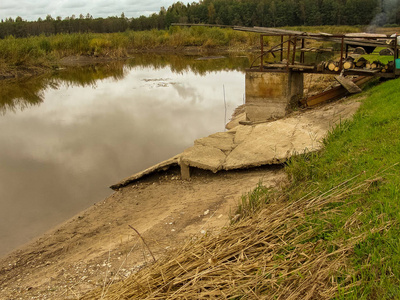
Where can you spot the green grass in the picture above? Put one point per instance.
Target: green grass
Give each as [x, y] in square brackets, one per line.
[367, 146]
[364, 149]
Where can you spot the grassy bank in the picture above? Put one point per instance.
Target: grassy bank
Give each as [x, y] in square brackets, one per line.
[367, 149]
[332, 233]
[361, 161]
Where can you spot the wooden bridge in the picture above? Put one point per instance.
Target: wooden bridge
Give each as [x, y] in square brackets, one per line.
[274, 88]
[292, 46]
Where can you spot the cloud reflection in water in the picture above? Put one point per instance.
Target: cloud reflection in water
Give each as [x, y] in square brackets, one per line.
[59, 157]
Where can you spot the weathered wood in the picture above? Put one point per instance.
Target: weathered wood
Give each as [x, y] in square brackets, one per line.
[303, 67]
[284, 65]
[361, 62]
[275, 66]
[332, 65]
[376, 65]
[316, 49]
[390, 66]
[364, 71]
[334, 93]
[359, 50]
[386, 51]
[348, 65]
[349, 85]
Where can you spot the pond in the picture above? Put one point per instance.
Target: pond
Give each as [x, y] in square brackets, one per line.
[66, 137]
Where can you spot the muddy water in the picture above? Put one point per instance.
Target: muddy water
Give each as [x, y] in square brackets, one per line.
[66, 137]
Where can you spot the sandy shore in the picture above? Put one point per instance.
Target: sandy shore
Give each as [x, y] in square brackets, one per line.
[98, 246]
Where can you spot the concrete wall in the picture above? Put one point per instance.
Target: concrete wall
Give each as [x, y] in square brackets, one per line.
[271, 95]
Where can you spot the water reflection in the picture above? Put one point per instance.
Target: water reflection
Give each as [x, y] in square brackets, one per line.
[20, 94]
[96, 125]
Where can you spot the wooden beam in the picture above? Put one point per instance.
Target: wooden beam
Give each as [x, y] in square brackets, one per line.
[349, 85]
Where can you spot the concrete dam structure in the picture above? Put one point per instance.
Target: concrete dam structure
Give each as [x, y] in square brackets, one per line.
[272, 95]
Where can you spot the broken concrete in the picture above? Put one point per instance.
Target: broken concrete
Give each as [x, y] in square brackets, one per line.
[247, 146]
[219, 140]
[204, 157]
[162, 166]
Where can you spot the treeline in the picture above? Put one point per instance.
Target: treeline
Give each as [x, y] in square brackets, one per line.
[50, 26]
[267, 13]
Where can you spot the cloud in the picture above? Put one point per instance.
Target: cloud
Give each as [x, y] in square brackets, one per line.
[73, 4]
[31, 11]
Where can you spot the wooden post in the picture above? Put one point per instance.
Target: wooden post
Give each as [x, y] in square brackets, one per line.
[395, 54]
[288, 53]
[294, 50]
[302, 53]
[341, 55]
[281, 47]
[262, 52]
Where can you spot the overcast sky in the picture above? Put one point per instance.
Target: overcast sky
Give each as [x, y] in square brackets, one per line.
[32, 10]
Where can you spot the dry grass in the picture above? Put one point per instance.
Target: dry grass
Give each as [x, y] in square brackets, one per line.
[275, 254]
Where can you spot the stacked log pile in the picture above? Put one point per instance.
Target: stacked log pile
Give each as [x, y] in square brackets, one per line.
[350, 63]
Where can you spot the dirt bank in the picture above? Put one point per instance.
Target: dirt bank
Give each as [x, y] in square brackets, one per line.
[98, 245]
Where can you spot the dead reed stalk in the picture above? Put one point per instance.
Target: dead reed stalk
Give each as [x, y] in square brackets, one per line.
[274, 254]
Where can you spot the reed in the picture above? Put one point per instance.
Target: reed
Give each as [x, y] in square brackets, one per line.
[42, 50]
[274, 254]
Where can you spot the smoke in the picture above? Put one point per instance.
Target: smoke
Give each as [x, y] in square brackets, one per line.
[387, 11]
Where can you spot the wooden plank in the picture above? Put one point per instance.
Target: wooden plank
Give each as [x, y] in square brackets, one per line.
[366, 71]
[303, 67]
[349, 85]
[333, 93]
[316, 50]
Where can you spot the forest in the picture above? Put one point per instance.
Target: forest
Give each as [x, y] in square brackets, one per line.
[266, 13]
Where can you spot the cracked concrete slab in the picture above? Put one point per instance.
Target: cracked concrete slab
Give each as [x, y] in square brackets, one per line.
[204, 157]
[220, 140]
[247, 146]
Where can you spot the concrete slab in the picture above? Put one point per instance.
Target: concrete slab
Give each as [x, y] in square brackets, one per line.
[162, 166]
[247, 146]
[204, 157]
[220, 140]
[275, 142]
[235, 121]
[241, 133]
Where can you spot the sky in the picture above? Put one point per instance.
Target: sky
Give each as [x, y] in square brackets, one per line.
[32, 10]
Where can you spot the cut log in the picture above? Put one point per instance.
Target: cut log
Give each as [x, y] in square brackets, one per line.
[359, 50]
[376, 65]
[361, 62]
[348, 65]
[390, 66]
[349, 85]
[336, 69]
[332, 65]
[386, 51]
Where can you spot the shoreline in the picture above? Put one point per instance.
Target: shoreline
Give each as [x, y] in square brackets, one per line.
[97, 246]
[22, 71]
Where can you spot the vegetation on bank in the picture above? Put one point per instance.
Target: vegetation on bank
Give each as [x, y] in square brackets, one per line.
[46, 51]
[366, 152]
[331, 233]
